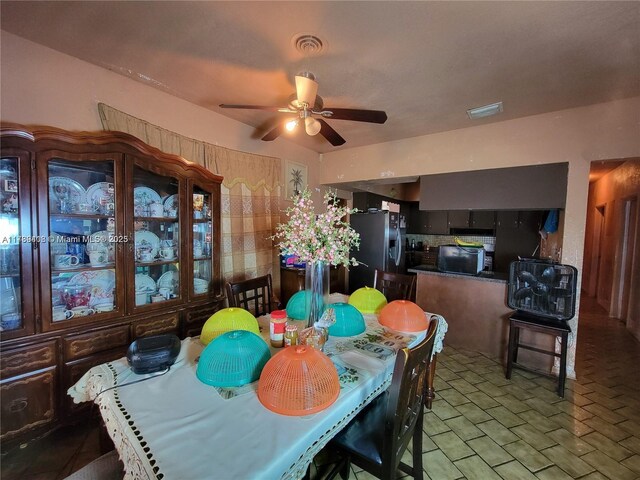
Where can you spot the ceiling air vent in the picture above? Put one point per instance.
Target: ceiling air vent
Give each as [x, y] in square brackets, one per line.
[308, 44]
[485, 111]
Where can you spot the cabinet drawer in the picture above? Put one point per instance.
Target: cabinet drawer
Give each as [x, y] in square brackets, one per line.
[27, 359]
[156, 325]
[77, 346]
[27, 402]
[195, 319]
[201, 315]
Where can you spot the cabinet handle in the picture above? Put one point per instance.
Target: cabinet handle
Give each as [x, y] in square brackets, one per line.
[18, 405]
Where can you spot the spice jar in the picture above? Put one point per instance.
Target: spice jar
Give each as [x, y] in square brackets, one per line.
[277, 326]
[290, 336]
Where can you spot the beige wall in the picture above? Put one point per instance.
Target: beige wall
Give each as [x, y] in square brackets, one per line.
[577, 136]
[42, 86]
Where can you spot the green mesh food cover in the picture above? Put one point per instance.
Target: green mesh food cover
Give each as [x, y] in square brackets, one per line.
[349, 321]
[233, 359]
[226, 320]
[367, 300]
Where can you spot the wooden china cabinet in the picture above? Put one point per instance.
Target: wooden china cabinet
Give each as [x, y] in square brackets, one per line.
[103, 239]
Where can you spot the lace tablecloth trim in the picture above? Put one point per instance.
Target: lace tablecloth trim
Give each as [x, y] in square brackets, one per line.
[135, 454]
[299, 468]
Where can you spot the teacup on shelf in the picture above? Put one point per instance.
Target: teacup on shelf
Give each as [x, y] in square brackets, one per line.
[167, 253]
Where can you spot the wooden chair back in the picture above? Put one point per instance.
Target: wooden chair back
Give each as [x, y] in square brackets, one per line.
[406, 397]
[254, 295]
[395, 286]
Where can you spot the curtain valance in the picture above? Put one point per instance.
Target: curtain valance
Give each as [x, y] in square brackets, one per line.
[254, 171]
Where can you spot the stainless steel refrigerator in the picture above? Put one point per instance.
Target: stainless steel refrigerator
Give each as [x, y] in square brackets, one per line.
[382, 242]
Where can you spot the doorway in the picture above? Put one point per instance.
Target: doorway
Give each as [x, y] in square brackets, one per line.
[627, 260]
[598, 242]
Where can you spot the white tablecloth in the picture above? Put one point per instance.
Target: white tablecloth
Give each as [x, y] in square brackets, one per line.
[176, 427]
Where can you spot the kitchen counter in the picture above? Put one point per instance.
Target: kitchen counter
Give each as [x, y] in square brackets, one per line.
[477, 313]
[498, 277]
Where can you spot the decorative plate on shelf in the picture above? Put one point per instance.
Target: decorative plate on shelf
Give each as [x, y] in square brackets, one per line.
[145, 196]
[68, 190]
[99, 194]
[144, 283]
[145, 238]
[102, 284]
[200, 285]
[99, 241]
[170, 279]
[171, 205]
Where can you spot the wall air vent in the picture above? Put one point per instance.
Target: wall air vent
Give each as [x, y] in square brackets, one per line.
[484, 111]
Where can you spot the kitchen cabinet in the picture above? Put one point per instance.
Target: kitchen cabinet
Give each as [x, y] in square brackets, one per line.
[516, 235]
[458, 218]
[435, 222]
[364, 201]
[427, 222]
[106, 239]
[483, 219]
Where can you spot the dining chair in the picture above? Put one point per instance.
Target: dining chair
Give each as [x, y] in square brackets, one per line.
[377, 437]
[254, 294]
[395, 286]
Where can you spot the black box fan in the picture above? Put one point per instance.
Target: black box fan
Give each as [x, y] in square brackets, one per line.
[544, 289]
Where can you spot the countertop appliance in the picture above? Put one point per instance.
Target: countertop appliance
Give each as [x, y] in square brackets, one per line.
[382, 246]
[154, 353]
[461, 259]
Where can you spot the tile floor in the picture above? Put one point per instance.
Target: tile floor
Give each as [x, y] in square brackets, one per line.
[481, 425]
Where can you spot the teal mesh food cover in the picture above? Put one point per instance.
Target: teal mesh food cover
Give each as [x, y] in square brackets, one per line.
[233, 359]
[299, 305]
[349, 321]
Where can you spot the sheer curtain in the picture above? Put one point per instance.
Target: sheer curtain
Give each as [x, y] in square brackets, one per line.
[250, 193]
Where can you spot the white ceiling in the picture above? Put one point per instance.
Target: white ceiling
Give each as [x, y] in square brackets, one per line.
[424, 63]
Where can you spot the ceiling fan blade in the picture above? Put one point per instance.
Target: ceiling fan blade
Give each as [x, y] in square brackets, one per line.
[371, 116]
[251, 107]
[330, 134]
[306, 90]
[274, 133]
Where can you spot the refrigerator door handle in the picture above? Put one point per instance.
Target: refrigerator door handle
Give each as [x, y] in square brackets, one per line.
[398, 247]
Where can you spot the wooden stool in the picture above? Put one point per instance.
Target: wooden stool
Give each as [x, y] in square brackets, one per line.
[557, 328]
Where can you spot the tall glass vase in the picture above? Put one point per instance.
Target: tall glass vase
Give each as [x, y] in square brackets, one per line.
[317, 287]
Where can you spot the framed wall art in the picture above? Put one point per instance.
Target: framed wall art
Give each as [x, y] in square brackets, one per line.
[295, 178]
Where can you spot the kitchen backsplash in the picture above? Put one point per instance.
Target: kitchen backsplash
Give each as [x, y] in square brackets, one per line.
[437, 240]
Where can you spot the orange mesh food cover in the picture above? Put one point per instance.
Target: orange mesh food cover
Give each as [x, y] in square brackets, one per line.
[404, 316]
[298, 380]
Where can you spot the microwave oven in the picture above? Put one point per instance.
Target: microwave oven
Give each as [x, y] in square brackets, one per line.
[457, 259]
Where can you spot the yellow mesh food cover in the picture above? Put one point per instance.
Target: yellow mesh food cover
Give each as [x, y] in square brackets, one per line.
[226, 320]
[367, 300]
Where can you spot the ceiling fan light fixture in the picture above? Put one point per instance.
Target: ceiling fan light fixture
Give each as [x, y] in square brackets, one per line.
[312, 126]
[485, 111]
[291, 125]
[306, 88]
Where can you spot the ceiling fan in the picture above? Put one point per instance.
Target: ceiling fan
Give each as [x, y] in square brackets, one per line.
[308, 107]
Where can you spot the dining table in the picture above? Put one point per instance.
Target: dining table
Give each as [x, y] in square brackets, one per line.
[172, 426]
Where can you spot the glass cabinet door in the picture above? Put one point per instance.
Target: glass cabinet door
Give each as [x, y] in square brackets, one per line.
[83, 239]
[156, 226]
[202, 245]
[15, 247]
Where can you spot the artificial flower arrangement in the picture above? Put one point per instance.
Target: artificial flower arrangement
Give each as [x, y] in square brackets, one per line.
[322, 237]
